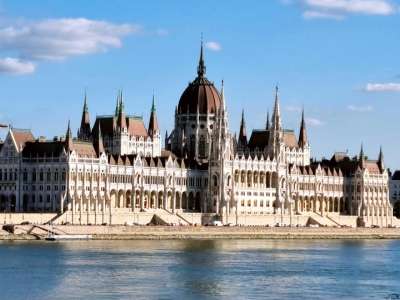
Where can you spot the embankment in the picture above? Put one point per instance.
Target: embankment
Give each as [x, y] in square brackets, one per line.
[31, 232]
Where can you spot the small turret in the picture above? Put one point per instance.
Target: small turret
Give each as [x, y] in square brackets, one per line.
[84, 132]
[303, 132]
[121, 114]
[381, 163]
[99, 146]
[117, 107]
[153, 124]
[267, 124]
[68, 138]
[242, 141]
[276, 118]
[166, 144]
[201, 68]
[361, 158]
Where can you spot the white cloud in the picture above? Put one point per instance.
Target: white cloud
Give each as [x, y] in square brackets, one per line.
[162, 32]
[356, 108]
[58, 39]
[339, 9]
[214, 46]
[61, 38]
[367, 7]
[383, 87]
[313, 14]
[293, 108]
[314, 122]
[15, 66]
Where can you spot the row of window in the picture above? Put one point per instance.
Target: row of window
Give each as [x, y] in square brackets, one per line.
[255, 203]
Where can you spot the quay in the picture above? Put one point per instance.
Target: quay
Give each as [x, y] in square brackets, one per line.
[38, 232]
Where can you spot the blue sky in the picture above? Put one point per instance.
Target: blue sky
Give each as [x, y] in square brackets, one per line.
[337, 58]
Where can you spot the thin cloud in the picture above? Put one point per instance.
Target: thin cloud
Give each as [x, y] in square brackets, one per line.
[15, 66]
[382, 87]
[293, 108]
[339, 9]
[313, 14]
[214, 46]
[367, 108]
[314, 122]
[366, 7]
[58, 39]
[162, 32]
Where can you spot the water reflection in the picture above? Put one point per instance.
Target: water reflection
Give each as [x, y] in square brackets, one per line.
[295, 269]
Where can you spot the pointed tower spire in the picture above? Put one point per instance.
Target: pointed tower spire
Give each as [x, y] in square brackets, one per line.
[153, 124]
[84, 132]
[381, 163]
[166, 140]
[121, 102]
[222, 104]
[117, 106]
[267, 125]
[242, 141]
[303, 132]
[99, 146]
[85, 106]
[121, 114]
[276, 118]
[361, 156]
[68, 138]
[201, 68]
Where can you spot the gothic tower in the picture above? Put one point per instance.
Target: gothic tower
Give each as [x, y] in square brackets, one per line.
[84, 132]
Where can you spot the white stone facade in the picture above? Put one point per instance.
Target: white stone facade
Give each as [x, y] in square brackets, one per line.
[117, 168]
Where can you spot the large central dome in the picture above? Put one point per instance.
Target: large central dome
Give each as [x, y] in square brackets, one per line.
[200, 94]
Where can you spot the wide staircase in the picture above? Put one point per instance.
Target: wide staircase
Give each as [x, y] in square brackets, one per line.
[343, 220]
[168, 218]
[321, 220]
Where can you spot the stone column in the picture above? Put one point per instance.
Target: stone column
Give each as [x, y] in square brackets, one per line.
[173, 201]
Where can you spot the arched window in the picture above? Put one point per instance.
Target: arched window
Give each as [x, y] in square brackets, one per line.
[202, 146]
[215, 180]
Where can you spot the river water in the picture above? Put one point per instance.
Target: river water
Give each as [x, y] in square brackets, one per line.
[220, 269]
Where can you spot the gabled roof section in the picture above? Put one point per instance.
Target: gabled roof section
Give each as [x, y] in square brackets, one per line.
[396, 175]
[289, 139]
[21, 136]
[84, 149]
[108, 125]
[258, 139]
[43, 149]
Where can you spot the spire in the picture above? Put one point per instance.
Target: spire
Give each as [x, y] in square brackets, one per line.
[153, 124]
[121, 102]
[201, 68]
[303, 132]
[166, 140]
[117, 106]
[361, 156]
[222, 105]
[121, 122]
[85, 107]
[68, 138]
[381, 163]
[267, 125]
[99, 146]
[242, 141]
[276, 118]
[84, 132]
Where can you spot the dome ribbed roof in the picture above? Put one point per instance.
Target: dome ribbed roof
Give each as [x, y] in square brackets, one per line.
[200, 93]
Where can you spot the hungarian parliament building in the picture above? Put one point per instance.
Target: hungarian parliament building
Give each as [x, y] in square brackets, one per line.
[120, 171]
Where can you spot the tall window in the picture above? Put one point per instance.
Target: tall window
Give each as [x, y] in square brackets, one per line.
[202, 146]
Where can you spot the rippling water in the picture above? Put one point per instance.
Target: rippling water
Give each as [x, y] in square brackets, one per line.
[240, 269]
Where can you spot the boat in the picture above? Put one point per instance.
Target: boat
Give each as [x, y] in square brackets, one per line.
[67, 237]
